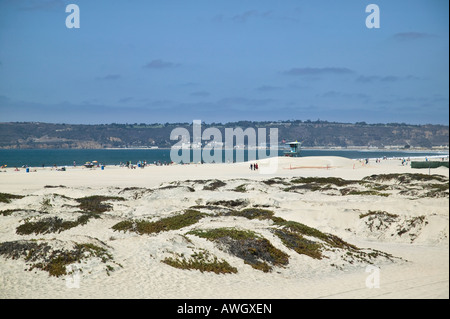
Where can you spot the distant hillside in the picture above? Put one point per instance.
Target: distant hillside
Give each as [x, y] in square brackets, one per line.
[312, 134]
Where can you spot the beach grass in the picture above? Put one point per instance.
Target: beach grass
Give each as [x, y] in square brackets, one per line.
[91, 207]
[189, 217]
[378, 213]
[411, 223]
[228, 203]
[52, 225]
[437, 190]
[240, 189]
[214, 185]
[54, 261]
[323, 181]
[254, 213]
[304, 230]
[202, 261]
[253, 249]
[95, 203]
[8, 212]
[406, 177]
[6, 198]
[299, 243]
[348, 191]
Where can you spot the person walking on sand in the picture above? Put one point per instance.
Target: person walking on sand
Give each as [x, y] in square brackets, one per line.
[251, 167]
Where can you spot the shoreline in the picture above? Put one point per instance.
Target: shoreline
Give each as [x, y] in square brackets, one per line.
[164, 158]
[315, 148]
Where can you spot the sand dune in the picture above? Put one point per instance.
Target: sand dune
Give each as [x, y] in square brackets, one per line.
[314, 227]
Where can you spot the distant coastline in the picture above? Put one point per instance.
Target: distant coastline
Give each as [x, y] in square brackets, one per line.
[312, 134]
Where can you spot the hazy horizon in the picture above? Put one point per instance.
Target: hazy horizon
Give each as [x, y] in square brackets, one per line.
[224, 123]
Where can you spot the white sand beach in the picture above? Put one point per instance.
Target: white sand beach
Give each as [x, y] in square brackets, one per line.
[393, 231]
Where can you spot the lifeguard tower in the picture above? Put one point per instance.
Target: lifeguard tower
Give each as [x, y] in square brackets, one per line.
[294, 149]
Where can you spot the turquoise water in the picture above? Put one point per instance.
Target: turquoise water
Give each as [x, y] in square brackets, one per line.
[66, 157]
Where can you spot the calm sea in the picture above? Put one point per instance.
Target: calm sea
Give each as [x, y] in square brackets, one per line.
[66, 157]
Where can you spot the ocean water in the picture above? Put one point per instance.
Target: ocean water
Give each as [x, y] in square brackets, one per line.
[67, 157]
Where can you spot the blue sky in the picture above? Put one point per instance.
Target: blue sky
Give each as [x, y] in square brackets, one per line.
[219, 61]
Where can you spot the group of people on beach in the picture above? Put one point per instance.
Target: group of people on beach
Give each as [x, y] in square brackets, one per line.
[140, 164]
[405, 162]
[254, 167]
